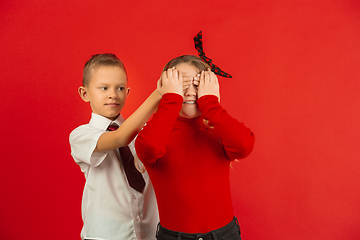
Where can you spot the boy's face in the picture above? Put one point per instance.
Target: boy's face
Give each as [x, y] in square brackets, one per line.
[107, 91]
[190, 109]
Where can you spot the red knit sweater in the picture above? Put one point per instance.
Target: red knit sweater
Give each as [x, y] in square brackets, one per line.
[189, 164]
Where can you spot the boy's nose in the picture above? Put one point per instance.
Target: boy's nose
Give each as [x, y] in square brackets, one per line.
[112, 93]
[191, 91]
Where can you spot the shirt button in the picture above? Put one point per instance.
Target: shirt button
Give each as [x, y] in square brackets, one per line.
[134, 196]
[137, 218]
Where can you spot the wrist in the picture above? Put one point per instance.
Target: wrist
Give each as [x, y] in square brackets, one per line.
[209, 96]
[172, 94]
[207, 100]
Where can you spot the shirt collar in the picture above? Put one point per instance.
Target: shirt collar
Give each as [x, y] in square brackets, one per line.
[102, 123]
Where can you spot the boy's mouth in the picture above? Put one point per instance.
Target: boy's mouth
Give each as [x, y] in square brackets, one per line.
[112, 104]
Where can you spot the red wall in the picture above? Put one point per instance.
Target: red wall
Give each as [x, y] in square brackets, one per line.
[296, 85]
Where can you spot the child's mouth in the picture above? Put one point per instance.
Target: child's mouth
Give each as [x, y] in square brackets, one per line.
[112, 104]
[189, 102]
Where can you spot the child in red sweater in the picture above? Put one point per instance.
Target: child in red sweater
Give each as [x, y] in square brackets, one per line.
[189, 161]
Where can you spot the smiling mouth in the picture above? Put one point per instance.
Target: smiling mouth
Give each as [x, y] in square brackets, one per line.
[189, 102]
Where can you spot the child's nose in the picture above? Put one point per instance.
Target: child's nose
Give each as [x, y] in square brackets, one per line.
[112, 93]
[191, 91]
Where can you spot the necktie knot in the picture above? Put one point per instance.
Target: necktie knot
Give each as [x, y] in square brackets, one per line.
[134, 177]
[113, 127]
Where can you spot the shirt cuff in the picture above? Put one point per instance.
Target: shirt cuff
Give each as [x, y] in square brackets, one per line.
[172, 97]
[207, 100]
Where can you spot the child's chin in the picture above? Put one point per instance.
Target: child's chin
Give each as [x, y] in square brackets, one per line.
[190, 114]
[112, 117]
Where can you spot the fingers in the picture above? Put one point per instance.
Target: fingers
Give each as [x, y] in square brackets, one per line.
[163, 76]
[171, 82]
[213, 77]
[208, 76]
[187, 80]
[179, 76]
[209, 84]
[196, 80]
[201, 80]
[171, 72]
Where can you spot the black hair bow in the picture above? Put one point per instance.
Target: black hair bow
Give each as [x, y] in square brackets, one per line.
[199, 47]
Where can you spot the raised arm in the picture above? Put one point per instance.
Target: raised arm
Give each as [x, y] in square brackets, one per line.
[151, 142]
[130, 127]
[238, 140]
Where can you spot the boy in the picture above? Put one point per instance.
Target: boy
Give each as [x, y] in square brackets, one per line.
[111, 208]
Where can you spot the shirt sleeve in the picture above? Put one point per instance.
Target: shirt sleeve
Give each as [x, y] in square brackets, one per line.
[83, 141]
[151, 141]
[238, 140]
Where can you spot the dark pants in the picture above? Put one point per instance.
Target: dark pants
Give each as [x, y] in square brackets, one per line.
[228, 232]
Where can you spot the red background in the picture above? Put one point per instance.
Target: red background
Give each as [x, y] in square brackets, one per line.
[296, 85]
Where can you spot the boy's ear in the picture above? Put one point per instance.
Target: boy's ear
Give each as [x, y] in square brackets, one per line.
[127, 92]
[83, 94]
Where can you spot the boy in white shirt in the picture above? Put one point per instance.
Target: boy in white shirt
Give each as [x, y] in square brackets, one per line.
[111, 208]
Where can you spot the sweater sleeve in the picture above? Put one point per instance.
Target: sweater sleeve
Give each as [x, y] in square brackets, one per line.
[151, 141]
[238, 140]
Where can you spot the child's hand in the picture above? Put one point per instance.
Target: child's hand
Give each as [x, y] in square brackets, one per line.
[187, 81]
[171, 81]
[208, 84]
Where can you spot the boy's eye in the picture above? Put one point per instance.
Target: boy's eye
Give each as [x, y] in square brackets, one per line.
[103, 88]
[121, 88]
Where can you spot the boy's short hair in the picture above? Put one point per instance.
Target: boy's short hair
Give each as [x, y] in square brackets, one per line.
[100, 60]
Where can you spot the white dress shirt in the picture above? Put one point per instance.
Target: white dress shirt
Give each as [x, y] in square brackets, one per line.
[111, 209]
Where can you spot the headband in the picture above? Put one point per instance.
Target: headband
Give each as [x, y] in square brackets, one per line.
[213, 67]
